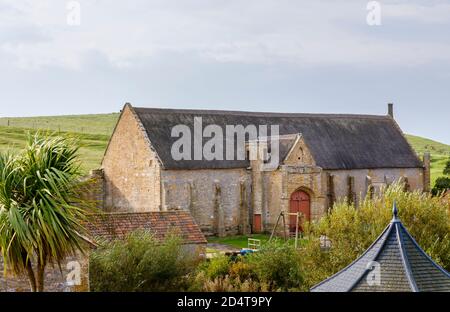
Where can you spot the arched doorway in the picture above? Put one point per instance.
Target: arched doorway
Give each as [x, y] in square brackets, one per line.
[300, 202]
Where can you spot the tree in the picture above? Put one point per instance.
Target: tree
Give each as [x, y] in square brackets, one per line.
[40, 213]
[447, 168]
[441, 185]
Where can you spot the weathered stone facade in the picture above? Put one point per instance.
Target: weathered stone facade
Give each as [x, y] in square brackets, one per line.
[131, 169]
[243, 199]
[219, 200]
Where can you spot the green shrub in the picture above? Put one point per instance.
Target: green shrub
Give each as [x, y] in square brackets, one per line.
[217, 267]
[278, 265]
[242, 270]
[141, 263]
[447, 168]
[441, 185]
[351, 231]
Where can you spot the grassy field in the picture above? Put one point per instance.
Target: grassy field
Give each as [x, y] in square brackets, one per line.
[440, 153]
[95, 130]
[91, 151]
[87, 124]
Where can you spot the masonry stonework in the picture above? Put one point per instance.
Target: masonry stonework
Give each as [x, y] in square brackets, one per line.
[131, 169]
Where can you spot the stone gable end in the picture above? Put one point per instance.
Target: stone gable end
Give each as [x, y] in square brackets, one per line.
[131, 168]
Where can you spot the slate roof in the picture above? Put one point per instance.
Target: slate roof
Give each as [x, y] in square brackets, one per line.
[335, 141]
[112, 226]
[404, 267]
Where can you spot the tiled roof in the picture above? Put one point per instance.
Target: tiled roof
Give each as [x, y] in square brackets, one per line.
[111, 226]
[404, 266]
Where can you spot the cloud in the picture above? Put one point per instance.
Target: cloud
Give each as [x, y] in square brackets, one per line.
[303, 33]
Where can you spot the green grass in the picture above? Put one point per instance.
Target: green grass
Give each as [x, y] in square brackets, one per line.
[87, 124]
[440, 154]
[238, 241]
[92, 145]
[94, 132]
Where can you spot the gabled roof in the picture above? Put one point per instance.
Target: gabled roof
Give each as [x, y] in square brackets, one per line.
[335, 141]
[285, 142]
[112, 226]
[404, 266]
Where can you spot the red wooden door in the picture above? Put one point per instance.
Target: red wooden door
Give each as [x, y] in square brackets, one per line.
[300, 202]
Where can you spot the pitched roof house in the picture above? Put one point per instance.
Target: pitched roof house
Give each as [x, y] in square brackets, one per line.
[321, 157]
[393, 263]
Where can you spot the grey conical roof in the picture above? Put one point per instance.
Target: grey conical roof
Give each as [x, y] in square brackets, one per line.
[403, 266]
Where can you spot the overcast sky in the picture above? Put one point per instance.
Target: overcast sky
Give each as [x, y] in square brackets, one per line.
[257, 55]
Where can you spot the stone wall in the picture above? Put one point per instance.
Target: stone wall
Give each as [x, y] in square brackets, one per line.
[379, 178]
[279, 185]
[56, 280]
[131, 169]
[217, 199]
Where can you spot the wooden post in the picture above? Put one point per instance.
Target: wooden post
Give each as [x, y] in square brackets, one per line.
[284, 227]
[296, 229]
[276, 225]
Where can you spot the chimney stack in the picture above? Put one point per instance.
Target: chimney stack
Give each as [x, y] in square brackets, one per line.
[391, 110]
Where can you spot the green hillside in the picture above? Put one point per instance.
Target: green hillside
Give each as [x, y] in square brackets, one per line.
[440, 153]
[95, 130]
[89, 124]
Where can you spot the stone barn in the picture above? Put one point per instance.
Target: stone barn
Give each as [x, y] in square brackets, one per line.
[322, 158]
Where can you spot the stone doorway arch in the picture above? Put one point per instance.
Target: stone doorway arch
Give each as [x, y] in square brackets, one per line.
[300, 201]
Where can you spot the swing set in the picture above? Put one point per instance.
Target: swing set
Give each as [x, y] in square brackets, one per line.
[281, 216]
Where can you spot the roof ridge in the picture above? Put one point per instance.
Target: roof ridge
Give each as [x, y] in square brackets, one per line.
[133, 212]
[358, 258]
[405, 260]
[375, 256]
[260, 114]
[423, 252]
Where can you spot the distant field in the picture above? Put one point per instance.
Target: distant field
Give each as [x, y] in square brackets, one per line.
[91, 151]
[440, 153]
[89, 124]
[94, 132]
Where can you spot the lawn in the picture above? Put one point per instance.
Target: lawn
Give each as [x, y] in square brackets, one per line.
[238, 241]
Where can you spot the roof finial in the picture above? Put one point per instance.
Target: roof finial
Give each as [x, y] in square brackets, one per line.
[395, 210]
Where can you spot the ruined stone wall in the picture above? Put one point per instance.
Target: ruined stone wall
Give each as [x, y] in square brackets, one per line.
[56, 280]
[280, 184]
[131, 169]
[377, 177]
[219, 200]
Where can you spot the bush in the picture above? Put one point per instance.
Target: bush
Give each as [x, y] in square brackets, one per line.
[141, 263]
[217, 267]
[277, 265]
[447, 168]
[351, 231]
[242, 270]
[441, 185]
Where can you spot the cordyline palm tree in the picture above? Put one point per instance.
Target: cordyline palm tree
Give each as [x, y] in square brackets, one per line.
[40, 213]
